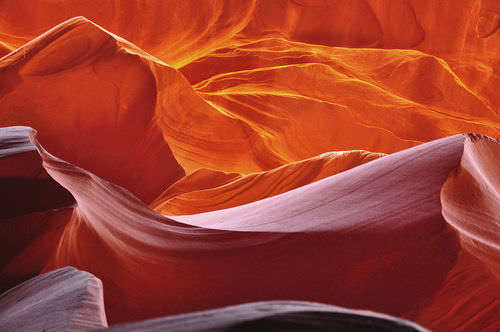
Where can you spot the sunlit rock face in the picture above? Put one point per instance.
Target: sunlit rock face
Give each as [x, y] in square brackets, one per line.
[251, 159]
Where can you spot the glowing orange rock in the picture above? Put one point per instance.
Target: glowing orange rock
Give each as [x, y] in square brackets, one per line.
[261, 86]
[176, 32]
[206, 190]
[66, 85]
[261, 117]
[123, 117]
[336, 99]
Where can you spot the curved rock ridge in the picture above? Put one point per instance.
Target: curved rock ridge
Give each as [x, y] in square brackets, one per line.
[15, 140]
[207, 190]
[62, 300]
[108, 117]
[111, 233]
[222, 157]
[471, 200]
[257, 247]
[345, 193]
[275, 315]
[34, 208]
[26, 186]
[261, 104]
[65, 84]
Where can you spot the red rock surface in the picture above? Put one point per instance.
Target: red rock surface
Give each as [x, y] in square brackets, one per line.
[200, 154]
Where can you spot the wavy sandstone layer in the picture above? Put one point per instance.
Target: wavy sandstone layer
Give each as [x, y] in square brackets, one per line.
[282, 246]
[283, 103]
[207, 190]
[235, 151]
[62, 300]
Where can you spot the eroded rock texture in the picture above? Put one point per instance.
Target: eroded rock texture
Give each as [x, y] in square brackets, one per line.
[201, 154]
